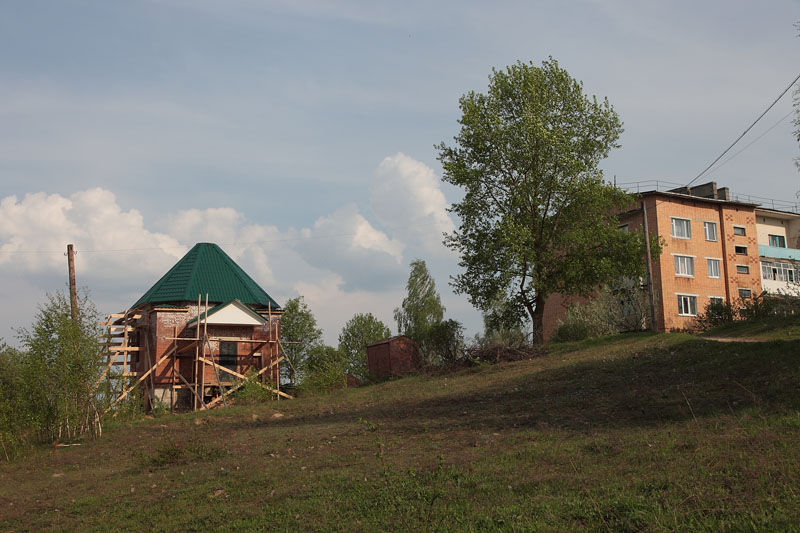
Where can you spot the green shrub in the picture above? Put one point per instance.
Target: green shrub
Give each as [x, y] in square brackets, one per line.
[612, 310]
[443, 343]
[757, 307]
[716, 314]
[251, 392]
[570, 331]
[13, 414]
[760, 307]
[325, 370]
[51, 380]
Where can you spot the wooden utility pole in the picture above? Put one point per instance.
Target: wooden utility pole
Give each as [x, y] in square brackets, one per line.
[73, 291]
[648, 259]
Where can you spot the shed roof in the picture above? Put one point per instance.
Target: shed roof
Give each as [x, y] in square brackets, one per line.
[206, 268]
[387, 340]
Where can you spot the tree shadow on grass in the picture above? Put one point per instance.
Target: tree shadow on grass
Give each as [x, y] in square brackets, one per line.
[692, 379]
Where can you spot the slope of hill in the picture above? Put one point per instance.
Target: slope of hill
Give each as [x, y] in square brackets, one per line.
[634, 432]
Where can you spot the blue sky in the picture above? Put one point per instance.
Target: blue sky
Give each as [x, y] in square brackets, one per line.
[308, 128]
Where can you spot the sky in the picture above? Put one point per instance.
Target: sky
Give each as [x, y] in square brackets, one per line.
[300, 136]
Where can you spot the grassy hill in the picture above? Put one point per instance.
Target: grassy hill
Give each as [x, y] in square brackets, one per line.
[635, 432]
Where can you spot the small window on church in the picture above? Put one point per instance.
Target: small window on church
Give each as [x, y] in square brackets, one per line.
[227, 358]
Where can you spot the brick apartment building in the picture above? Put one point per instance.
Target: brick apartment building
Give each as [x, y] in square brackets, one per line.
[714, 248]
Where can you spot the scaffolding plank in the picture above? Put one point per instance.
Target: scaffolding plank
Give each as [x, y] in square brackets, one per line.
[123, 315]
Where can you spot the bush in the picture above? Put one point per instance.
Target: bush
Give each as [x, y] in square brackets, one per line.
[443, 343]
[716, 314]
[60, 364]
[251, 392]
[572, 330]
[786, 303]
[325, 370]
[756, 308]
[13, 415]
[616, 309]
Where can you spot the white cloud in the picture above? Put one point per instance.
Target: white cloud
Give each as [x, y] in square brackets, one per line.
[119, 257]
[333, 305]
[34, 229]
[342, 263]
[406, 196]
[346, 243]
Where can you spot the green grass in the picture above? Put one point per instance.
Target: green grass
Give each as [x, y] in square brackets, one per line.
[630, 433]
[771, 328]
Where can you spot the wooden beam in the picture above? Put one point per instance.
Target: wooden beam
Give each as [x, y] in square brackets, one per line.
[231, 339]
[191, 388]
[218, 399]
[120, 348]
[237, 339]
[196, 355]
[228, 370]
[186, 348]
[174, 362]
[141, 378]
[115, 333]
[108, 367]
[123, 315]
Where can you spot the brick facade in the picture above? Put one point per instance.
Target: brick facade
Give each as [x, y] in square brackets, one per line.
[154, 335]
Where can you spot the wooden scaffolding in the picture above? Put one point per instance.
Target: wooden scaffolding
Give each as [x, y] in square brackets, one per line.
[127, 335]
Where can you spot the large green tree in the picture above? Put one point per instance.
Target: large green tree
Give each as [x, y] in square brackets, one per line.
[422, 307]
[301, 337]
[361, 330]
[536, 216]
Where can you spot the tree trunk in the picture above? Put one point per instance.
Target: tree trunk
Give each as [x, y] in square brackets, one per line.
[536, 311]
[537, 316]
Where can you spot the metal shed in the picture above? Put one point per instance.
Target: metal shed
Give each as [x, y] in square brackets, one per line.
[394, 356]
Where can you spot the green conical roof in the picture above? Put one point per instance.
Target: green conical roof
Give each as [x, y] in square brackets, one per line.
[207, 269]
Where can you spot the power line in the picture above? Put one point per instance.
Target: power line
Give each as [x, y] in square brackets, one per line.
[745, 131]
[787, 115]
[240, 243]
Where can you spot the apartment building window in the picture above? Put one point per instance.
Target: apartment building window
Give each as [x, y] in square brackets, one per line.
[687, 304]
[742, 269]
[778, 271]
[681, 228]
[741, 250]
[713, 268]
[778, 241]
[623, 228]
[684, 266]
[711, 230]
[739, 230]
[745, 293]
[716, 300]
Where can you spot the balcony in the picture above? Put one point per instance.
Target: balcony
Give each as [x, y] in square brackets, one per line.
[779, 253]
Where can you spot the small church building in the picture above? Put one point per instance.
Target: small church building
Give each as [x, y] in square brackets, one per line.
[191, 339]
